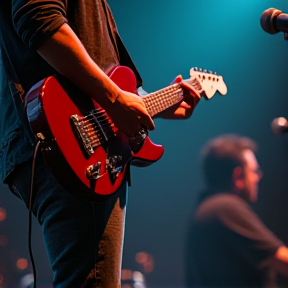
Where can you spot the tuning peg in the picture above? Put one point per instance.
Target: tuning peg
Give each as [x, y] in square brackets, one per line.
[205, 70]
[200, 69]
[215, 73]
[210, 72]
[195, 69]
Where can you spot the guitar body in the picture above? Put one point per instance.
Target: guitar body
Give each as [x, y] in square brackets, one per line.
[87, 154]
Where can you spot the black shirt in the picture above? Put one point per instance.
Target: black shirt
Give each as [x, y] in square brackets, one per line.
[24, 27]
[227, 244]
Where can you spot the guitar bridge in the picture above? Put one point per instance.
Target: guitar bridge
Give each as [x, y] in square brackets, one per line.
[84, 133]
[93, 130]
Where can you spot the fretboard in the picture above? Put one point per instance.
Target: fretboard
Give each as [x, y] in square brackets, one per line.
[161, 100]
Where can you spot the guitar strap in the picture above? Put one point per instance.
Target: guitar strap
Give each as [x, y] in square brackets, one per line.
[123, 54]
[124, 58]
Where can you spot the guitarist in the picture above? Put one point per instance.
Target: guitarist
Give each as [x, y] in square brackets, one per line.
[78, 40]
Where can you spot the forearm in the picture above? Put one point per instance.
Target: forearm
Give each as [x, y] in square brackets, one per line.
[72, 61]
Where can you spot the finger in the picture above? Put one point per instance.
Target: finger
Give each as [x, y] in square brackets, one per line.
[191, 100]
[148, 122]
[185, 105]
[145, 118]
[184, 112]
[190, 89]
[177, 79]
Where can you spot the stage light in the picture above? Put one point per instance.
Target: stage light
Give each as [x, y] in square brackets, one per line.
[22, 263]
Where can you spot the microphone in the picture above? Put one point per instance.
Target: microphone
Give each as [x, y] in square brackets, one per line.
[279, 125]
[273, 21]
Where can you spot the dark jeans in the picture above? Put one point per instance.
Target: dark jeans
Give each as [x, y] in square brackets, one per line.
[83, 239]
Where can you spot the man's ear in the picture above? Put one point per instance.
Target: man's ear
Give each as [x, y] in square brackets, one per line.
[237, 178]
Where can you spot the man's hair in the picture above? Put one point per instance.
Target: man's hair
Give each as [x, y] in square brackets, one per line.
[221, 155]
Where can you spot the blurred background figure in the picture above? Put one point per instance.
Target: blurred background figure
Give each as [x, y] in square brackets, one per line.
[227, 244]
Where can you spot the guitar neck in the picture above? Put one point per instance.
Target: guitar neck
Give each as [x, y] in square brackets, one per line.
[165, 98]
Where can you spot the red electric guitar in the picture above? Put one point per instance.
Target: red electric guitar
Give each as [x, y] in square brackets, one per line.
[83, 148]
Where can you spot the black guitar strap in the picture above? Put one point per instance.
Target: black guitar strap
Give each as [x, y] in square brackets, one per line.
[124, 56]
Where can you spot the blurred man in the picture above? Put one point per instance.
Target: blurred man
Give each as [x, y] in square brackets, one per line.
[227, 244]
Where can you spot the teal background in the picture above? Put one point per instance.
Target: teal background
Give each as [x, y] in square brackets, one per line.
[167, 38]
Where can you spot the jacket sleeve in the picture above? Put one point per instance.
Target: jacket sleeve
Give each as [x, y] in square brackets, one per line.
[36, 20]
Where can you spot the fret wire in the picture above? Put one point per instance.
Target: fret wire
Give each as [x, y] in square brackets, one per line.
[158, 101]
[163, 96]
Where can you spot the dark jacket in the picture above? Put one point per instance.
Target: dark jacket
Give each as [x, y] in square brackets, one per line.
[24, 27]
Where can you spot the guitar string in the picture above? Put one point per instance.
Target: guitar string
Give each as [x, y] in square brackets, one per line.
[158, 96]
[106, 129]
[158, 100]
[155, 99]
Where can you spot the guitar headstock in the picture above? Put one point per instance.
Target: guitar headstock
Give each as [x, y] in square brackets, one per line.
[210, 82]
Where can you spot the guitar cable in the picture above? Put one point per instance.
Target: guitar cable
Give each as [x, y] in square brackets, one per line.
[30, 213]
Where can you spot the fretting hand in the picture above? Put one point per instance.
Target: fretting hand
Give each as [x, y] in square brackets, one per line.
[184, 109]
